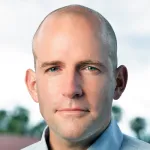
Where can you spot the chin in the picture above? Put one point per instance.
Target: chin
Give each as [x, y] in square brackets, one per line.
[72, 133]
[73, 136]
[72, 128]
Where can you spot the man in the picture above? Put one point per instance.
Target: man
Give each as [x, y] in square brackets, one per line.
[75, 80]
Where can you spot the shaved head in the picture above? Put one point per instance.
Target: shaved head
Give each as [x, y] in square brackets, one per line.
[76, 77]
[99, 24]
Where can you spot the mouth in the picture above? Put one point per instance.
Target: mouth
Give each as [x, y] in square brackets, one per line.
[78, 112]
[72, 109]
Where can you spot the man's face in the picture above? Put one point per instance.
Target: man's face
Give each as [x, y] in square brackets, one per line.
[74, 78]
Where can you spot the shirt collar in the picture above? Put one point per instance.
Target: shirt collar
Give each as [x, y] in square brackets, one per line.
[111, 138]
[45, 137]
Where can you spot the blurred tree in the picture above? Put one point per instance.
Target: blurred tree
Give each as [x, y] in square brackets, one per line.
[138, 125]
[147, 138]
[117, 113]
[3, 114]
[18, 121]
[37, 130]
[3, 120]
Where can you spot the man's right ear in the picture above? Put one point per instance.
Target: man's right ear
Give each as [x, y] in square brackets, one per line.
[30, 80]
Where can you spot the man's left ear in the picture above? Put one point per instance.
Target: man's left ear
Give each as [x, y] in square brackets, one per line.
[121, 81]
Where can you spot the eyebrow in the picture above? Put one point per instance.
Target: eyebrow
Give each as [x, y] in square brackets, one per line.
[79, 64]
[51, 63]
[92, 62]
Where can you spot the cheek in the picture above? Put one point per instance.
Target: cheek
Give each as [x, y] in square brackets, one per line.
[47, 87]
[99, 94]
[47, 94]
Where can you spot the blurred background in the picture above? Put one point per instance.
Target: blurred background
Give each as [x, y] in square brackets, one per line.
[20, 121]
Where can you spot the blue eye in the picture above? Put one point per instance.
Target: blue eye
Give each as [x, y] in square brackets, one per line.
[92, 68]
[53, 69]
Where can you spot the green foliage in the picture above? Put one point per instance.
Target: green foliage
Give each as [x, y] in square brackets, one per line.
[116, 113]
[37, 130]
[17, 122]
[3, 121]
[138, 125]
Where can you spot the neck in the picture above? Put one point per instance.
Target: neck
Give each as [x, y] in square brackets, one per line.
[58, 142]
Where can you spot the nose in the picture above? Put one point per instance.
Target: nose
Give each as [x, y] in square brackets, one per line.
[72, 86]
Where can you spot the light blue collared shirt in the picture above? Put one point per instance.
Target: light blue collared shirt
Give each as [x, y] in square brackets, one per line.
[110, 139]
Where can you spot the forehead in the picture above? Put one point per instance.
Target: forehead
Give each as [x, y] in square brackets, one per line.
[71, 21]
[69, 35]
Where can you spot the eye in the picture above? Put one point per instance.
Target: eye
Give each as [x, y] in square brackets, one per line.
[91, 68]
[52, 69]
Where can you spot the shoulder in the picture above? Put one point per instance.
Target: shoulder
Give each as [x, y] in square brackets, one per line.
[34, 146]
[130, 143]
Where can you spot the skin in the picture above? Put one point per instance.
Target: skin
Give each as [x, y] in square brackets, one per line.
[74, 82]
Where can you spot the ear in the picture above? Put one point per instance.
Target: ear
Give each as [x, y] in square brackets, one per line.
[30, 81]
[121, 81]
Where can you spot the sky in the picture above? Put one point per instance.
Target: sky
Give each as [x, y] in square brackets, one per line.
[131, 23]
